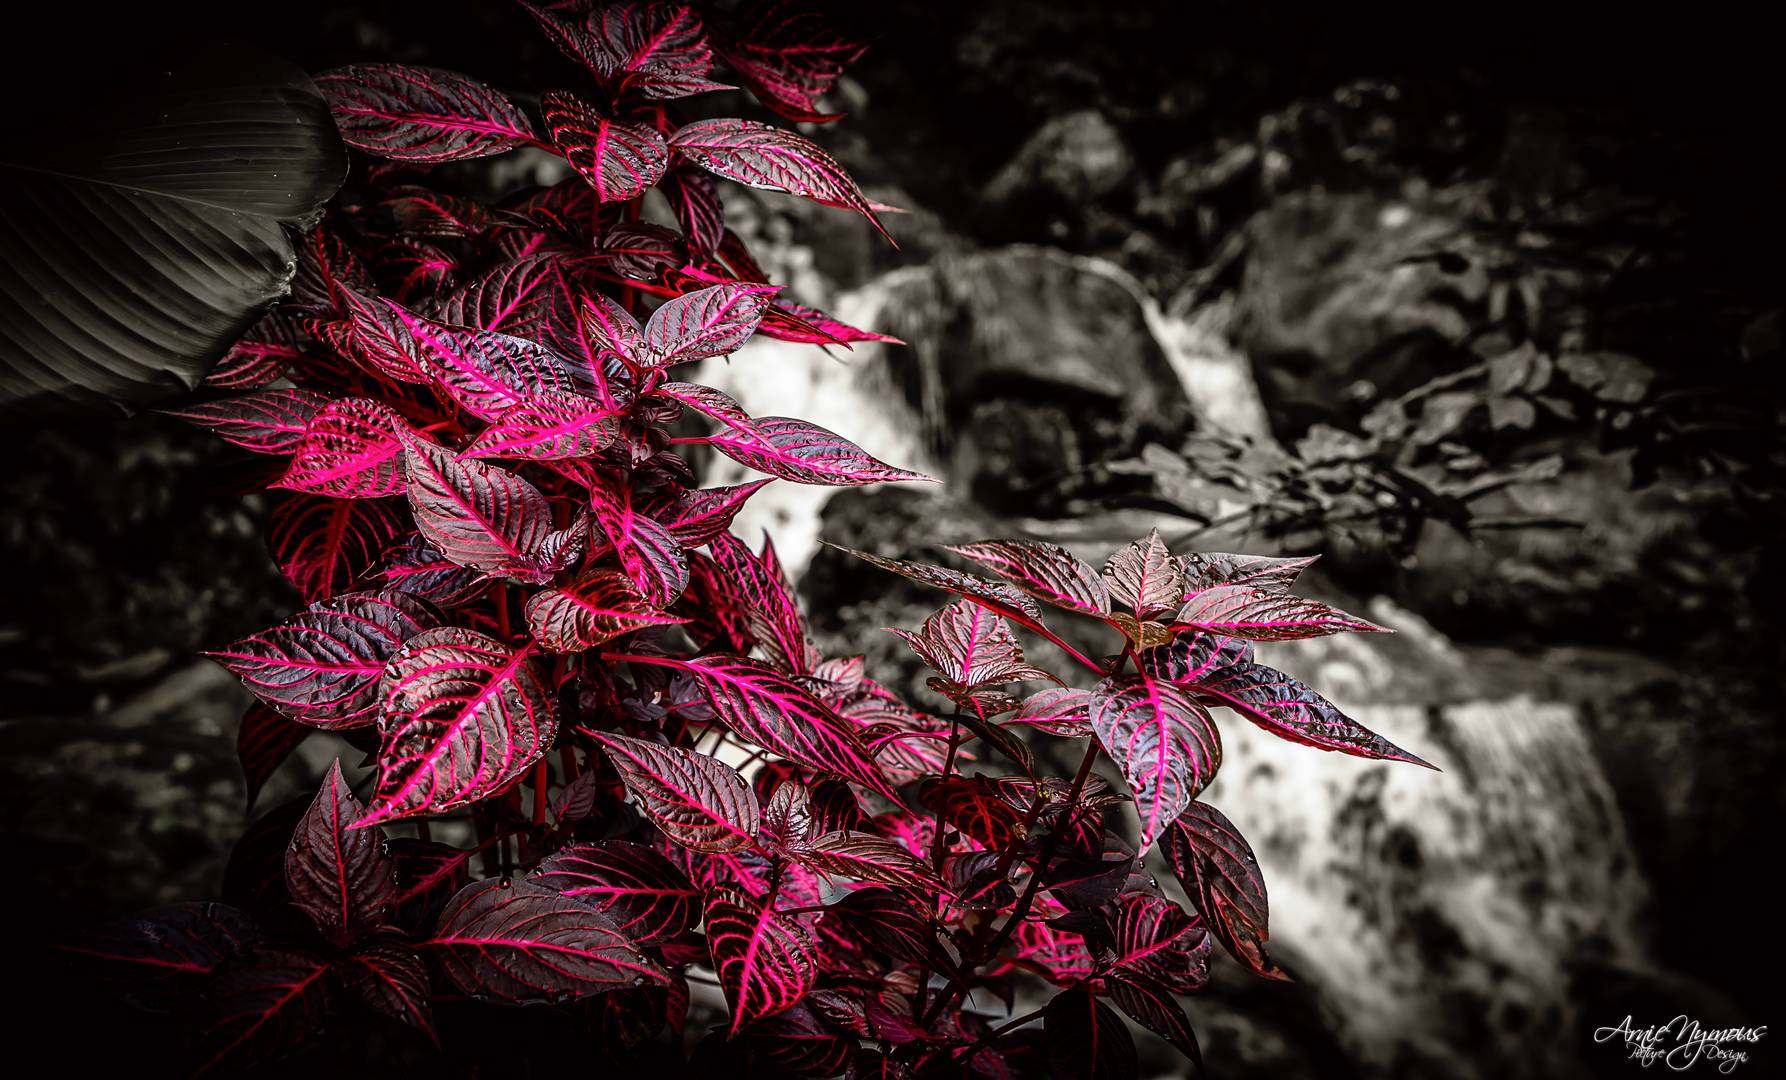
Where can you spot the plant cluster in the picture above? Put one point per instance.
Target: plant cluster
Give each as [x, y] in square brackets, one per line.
[538, 626]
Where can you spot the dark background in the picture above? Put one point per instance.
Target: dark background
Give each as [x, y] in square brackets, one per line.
[1103, 130]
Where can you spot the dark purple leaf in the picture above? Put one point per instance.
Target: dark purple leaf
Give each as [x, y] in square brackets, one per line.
[1154, 1008]
[338, 875]
[789, 54]
[352, 449]
[652, 557]
[597, 607]
[1087, 1039]
[262, 1005]
[323, 546]
[389, 978]
[520, 943]
[548, 427]
[698, 515]
[772, 159]
[765, 708]
[1146, 577]
[806, 454]
[971, 647]
[766, 962]
[322, 666]
[464, 715]
[647, 898]
[1046, 571]
[1209, 569]
[698, 801]
[1165, 745]
[703, 323]
[1263, 615]
[866, 857]
[263, 742]
[620, 161]
[1217, 868]
[475, 514]
[411, 113]
[653, 50]
[486, 371]
[695, 199]
[267, 422]
[1058, 711]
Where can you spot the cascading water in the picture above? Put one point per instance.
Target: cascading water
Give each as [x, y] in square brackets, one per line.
[1429, 912]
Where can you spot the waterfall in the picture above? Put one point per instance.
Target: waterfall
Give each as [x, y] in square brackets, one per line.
[1424, 909]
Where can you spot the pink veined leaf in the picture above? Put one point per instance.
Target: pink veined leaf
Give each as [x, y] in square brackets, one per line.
[264, 740]
[337, 875]
[266, 422]
[476, 515]
[429, 873]
[652, 50]
[1219, 871]
[767, 709]
[389, 978]
[789, 55]
[707, 322]
[415, 271]
[168, 949]
[322, 666]
[765, 961]
[374, 337]
[549, 427]
[1164, 744]
[261, 1005]
[697, 801]
[995, 596]
[696, 516]
[971, 647]
[640, 251]
[806, 454]
[486, 371]
[1046, 571]
[866, 857]
[1287, 708]
[758, 591]
[514, 296]
[351, 449]
[411, 113]
[648, 899]
[620, 161]
[1060, 711]
[787, 823]
[973, 806]
[607, 325]
[324, 545]
[538, 297]
[522, 943]
[420, 211]
[261, 355]
[596, 608]
[464, 715]
[789, 321]
[416, 568]
[559, 551]
[1154, 1008]
[1146, 577]
[771, 159]
[1208, 569]
[1085, 1038]
[694, 198]
[328, 271]
[716, 404]
[652, 558]
[1193, 658]
[1159, 941]
[1262, 615]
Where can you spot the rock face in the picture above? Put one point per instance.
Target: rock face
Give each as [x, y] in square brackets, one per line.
[1342, 290]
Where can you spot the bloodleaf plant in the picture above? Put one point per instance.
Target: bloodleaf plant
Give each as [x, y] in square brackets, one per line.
[534, 622]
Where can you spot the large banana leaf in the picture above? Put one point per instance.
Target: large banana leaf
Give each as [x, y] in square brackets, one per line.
[142, 233]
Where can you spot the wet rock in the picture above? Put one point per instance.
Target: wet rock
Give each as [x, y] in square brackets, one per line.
[1342, 302]
[1070, 163]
